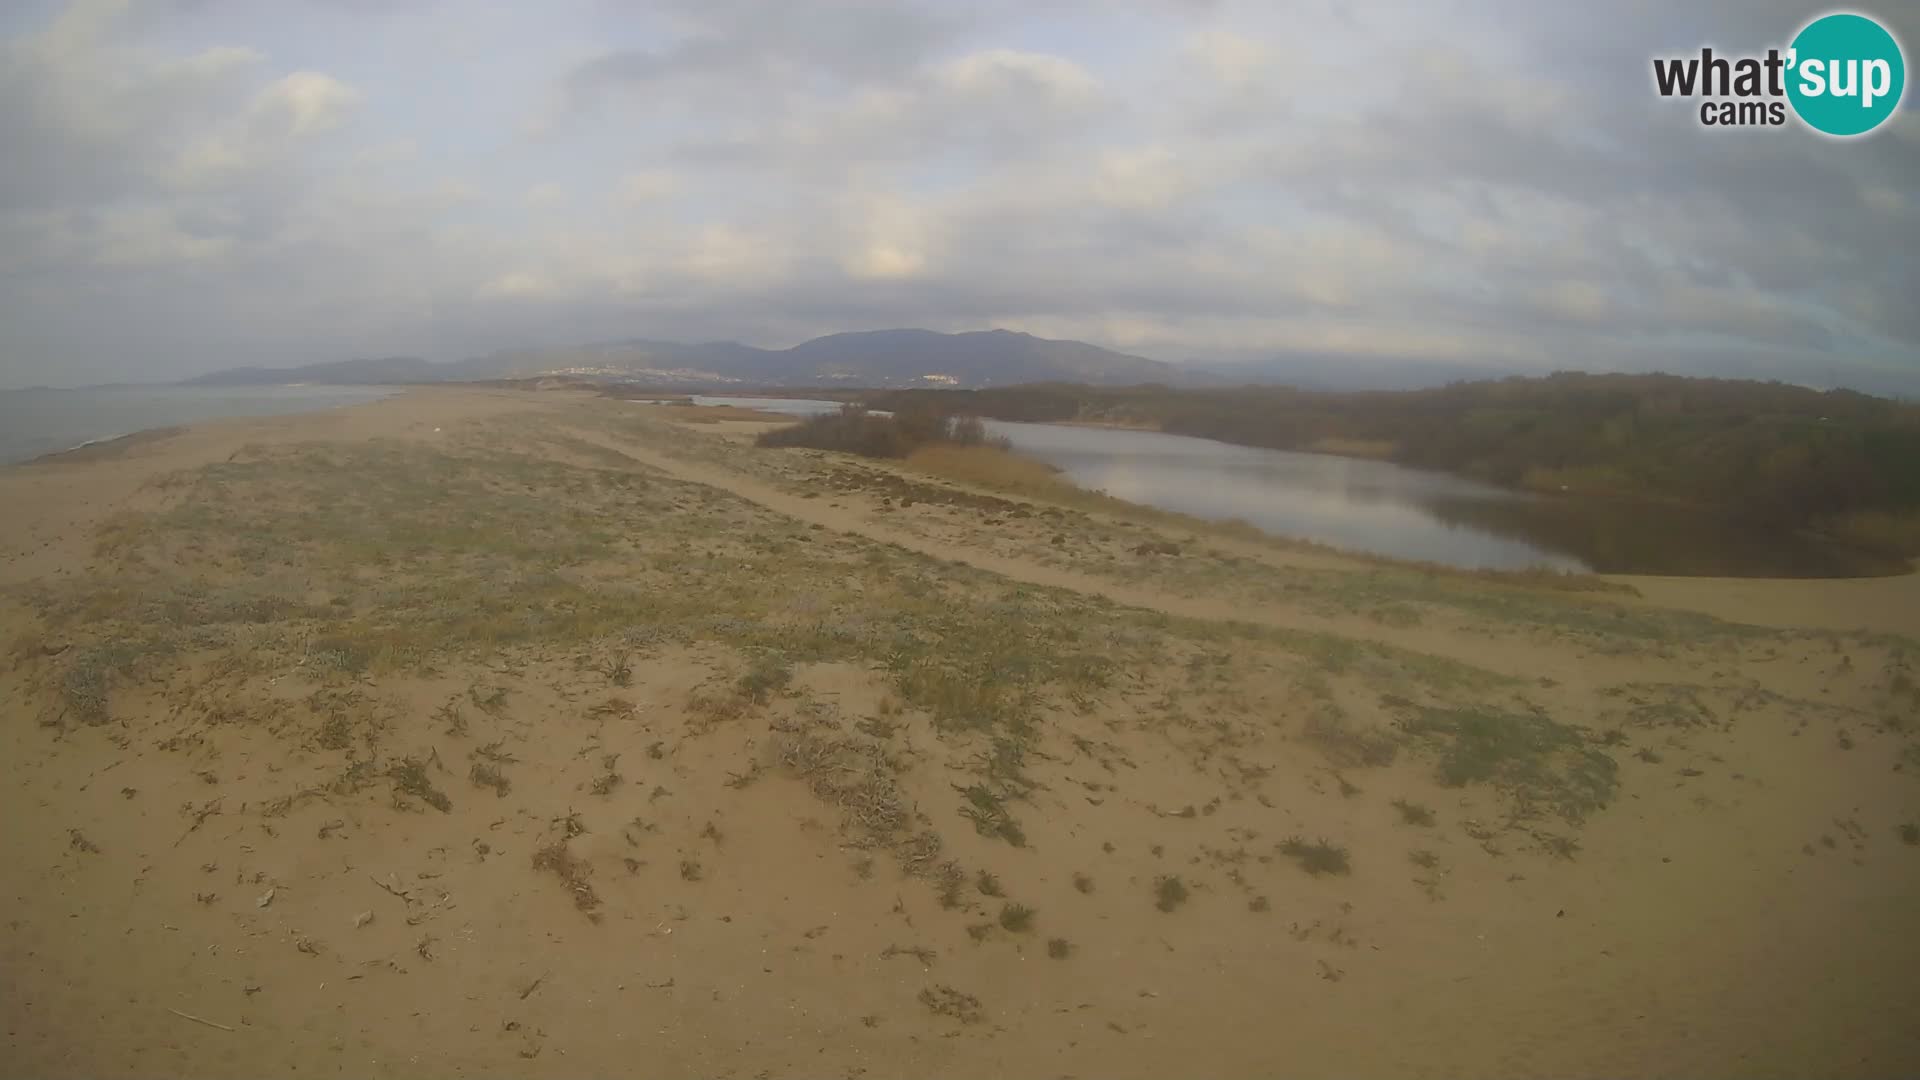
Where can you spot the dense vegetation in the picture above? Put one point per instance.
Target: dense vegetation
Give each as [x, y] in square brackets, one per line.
[1776, 455]
[855, 430]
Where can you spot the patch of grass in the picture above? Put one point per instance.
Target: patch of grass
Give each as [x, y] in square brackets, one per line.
[921, 953]
[767, 676]
[1317, 858]
[1017, 918]
[988, 884]
[606, 783]
[573, 872]
[410, 777]
[493, 753]
[950, 883]
[84, 687]
[1059, 948]
[336, 732]
[344, 653]
[943, 1000]
[614, 708]
[989, 814]
[1532, 759]
[1259, 904]
[1560, 847]
[1412, 813]
[485, 774]
[491, 700]
[690, 870]
[859, 779]
[1083, 883]
[993, 467]
[1348, 747]
[713, 709]
[1169, 892]
[1425, 860]
[618, 669]
[1910, 833]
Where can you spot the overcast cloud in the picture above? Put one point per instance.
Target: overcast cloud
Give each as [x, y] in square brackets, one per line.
[194, 184]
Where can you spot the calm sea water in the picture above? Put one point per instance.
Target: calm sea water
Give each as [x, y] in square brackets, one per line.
[1385, 509]
[36, 422]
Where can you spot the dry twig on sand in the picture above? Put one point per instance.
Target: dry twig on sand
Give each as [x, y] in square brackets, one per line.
[199, 1019]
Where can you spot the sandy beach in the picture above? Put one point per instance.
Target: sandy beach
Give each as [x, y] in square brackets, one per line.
[499, 732]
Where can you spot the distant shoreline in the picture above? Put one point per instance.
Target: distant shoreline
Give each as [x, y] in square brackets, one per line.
[106, 447]
[42, 426]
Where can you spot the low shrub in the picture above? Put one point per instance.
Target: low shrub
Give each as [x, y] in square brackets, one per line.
[854, 430]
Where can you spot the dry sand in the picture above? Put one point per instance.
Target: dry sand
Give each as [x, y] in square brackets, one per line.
[489, 732]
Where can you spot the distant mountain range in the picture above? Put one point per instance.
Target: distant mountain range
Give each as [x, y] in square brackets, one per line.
[878, 358]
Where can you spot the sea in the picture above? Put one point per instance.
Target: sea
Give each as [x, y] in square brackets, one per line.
[41, 421]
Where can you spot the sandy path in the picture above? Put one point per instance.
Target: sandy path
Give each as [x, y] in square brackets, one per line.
[1478, 647]
[1887, 605]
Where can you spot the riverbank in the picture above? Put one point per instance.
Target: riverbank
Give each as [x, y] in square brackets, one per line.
[535, 733]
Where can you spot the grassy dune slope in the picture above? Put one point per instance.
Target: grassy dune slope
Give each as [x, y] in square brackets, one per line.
[550, 736]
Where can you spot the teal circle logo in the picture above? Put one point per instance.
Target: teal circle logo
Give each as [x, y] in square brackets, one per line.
[1845, 74]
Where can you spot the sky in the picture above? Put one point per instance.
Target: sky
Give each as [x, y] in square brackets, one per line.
[188, 185]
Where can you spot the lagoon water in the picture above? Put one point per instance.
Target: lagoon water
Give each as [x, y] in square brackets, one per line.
[1369, 506]
[1380, 508]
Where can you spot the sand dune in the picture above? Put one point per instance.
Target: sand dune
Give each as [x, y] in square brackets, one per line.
[496, 732]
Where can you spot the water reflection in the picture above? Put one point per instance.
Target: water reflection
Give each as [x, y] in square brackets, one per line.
[1385, 509]
[1359, 505]
[1637, 538]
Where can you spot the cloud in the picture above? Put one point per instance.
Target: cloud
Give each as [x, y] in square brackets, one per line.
[1008, 76]
[290, 181]
[517, 285]
[306, 102]
[889, 240]
[648, 185]
[736, 48]
[143, 236]
[1232, 58]
[546, 195]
